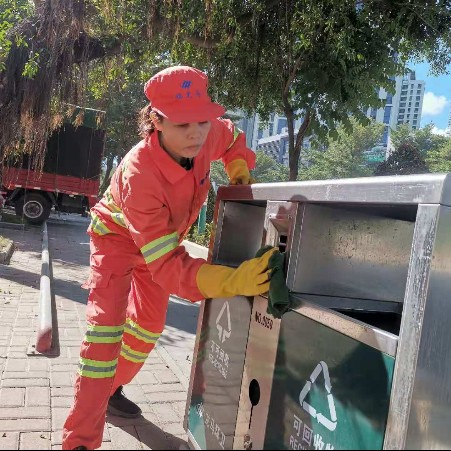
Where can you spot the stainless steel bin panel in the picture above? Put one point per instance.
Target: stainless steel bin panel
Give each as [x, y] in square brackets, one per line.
[239, 233]
[430, 414]
[350, 254]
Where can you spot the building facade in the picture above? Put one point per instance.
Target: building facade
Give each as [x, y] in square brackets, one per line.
[402, 107]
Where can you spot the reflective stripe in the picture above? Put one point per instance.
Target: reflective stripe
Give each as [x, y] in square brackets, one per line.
[118, 218]
[159, 247]
[236, 133]
[104, 334]
[97, 369]
[110, 202]
[138, 332]
[134, 356]
[98, 226]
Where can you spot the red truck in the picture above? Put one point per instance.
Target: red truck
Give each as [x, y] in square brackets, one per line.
[70, 178]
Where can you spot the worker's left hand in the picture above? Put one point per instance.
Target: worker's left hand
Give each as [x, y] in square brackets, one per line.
[238, 173]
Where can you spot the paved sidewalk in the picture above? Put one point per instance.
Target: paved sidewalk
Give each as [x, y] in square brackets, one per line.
[36, 391]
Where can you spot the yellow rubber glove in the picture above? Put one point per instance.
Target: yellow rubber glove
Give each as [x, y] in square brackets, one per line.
[249, 279]
[238, 173]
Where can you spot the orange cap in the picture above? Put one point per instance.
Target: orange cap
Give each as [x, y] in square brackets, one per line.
[179, 93]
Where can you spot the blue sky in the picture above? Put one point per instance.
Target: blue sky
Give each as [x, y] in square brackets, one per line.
[437, 97]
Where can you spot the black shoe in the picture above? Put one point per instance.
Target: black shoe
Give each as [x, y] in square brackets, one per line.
[120, 406]
[81, 447]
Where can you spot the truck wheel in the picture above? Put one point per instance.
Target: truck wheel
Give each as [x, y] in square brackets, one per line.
[34, 207]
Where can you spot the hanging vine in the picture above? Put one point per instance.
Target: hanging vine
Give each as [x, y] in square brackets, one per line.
[44, 69]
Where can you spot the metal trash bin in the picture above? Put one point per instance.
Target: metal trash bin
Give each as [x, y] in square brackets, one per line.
[363, 359]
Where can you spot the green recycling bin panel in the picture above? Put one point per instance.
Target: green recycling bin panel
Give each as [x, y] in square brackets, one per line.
[218, 372]
[329, 391]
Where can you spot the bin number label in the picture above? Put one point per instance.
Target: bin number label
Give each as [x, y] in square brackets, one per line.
[263, 320]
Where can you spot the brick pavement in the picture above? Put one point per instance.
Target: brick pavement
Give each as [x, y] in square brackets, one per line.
[36, 391]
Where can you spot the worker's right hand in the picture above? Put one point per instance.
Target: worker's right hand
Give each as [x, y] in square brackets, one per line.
[249, 279]
[238, 173]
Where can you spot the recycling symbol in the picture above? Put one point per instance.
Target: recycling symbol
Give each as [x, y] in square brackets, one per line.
[224, 332]
[331, 423]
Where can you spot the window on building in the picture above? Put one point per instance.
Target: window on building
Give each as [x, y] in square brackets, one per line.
[403, 99]
[402, 104]
[417, 104]
[282, 123]
[402, 110]
[418, 98]
[271, 128]
[387, 114]
[260, 133]
[389, 99]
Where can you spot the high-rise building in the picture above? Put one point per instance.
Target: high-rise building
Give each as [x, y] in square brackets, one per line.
[270, 137]
[402, 107]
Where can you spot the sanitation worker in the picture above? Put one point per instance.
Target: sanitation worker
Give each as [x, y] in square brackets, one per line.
[136, 258]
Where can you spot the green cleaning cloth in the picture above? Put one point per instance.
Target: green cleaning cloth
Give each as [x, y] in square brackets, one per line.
[278, 299]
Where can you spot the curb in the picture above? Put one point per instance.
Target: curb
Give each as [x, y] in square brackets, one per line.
[45, 326]
[6, 254]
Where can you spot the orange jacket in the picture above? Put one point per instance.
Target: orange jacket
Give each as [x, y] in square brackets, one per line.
[154, 200]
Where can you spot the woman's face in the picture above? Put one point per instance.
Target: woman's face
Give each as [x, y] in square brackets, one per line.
[182, 140]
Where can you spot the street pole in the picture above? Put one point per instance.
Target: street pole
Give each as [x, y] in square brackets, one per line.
[202, 219]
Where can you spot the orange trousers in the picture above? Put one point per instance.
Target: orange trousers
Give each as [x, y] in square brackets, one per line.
[126, 313]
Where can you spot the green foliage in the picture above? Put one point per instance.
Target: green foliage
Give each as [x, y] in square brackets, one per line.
[218, 174]
[407, 159]
[344, 157]
[211, 202]
[267, 170]
[203, 239]
[31, 66]
[12, 12]
[423, 139]
[439, 160]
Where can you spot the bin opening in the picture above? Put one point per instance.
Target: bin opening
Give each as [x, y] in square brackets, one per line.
[380, 314]
[282, 243]
[389, 322]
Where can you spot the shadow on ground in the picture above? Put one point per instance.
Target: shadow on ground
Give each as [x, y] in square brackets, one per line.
[148, 433]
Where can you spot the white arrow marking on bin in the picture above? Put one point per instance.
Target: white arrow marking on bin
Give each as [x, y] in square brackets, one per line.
[223, 333]
[331, 423]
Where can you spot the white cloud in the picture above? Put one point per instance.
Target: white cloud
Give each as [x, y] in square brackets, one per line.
[440, 131]
[434, 105]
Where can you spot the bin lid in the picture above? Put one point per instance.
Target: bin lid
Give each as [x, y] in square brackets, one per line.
[396, 189]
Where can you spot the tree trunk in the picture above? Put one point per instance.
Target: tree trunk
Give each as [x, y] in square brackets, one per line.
[295, 142]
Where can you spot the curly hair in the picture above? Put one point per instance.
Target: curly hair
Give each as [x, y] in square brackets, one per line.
[145, 124]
